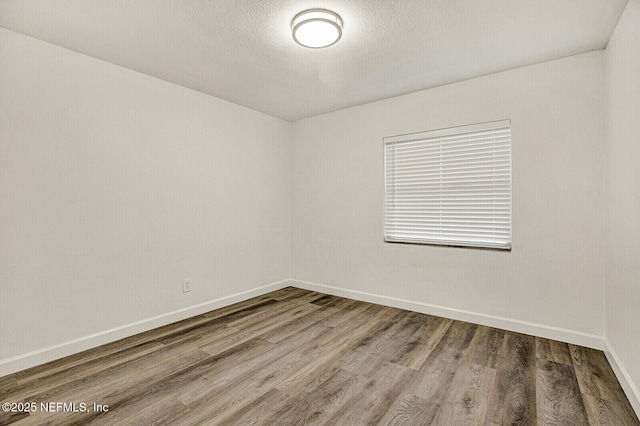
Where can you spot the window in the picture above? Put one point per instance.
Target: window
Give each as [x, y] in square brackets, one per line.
[450, 187]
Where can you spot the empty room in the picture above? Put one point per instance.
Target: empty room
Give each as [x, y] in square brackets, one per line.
[281, 212]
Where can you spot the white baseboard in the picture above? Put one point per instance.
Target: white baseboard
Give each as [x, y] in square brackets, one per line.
[630, 389]
[540, 330]
[41, 356]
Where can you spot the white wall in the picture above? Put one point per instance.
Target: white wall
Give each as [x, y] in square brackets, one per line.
[551, 283]
[113, 187]
[623, 202]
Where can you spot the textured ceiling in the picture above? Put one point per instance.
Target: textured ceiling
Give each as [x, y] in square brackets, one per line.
[242, 50]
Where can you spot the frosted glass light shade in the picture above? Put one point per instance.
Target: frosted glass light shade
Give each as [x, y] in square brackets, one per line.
[316, 28]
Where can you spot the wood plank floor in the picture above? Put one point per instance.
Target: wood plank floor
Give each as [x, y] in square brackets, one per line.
[296, 357]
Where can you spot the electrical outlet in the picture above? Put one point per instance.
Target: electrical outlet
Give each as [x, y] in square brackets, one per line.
[186, 285]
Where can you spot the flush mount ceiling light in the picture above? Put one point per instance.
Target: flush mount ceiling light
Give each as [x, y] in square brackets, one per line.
[316, 28]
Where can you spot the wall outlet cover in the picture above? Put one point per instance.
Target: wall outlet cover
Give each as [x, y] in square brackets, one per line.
[186, 285]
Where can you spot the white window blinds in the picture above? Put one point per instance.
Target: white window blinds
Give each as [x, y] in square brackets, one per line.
[450, 186]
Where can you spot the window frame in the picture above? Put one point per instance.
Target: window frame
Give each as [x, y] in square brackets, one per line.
[504, 246]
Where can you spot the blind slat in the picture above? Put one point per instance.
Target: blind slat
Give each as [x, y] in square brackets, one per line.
[447, 155]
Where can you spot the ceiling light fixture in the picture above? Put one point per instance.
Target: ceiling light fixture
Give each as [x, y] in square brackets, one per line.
[316, 28]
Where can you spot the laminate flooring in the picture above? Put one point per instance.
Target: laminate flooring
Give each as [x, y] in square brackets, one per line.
[295, 357]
